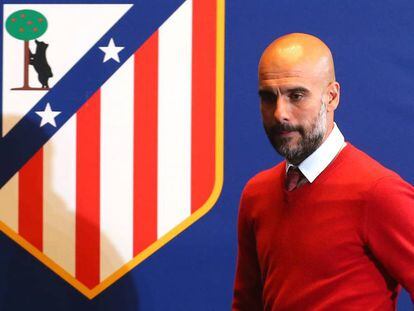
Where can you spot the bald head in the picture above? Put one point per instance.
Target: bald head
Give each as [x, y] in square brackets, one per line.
[298, 53]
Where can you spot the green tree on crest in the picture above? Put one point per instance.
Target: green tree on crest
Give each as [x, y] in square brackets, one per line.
[26, 25]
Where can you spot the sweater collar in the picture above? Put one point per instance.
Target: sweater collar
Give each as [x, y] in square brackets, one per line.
[314, 164]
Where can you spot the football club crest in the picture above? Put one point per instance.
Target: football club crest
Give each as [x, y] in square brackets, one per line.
[111, 130]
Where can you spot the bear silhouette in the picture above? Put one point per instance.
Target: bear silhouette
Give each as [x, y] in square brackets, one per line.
[40, 64]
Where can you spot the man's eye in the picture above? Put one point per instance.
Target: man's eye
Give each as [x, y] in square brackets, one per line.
[296, 96]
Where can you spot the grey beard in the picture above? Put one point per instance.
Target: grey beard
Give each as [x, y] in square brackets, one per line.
[307, 144]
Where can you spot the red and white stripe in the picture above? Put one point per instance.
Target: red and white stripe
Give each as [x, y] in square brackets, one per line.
[135, 161]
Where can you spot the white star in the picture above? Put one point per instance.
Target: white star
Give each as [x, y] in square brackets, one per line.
[48, 115]
[111, 51]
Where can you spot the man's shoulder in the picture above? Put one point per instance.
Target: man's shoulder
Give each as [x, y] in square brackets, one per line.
[362, 166]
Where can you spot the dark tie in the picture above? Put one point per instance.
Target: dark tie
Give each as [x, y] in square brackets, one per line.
[293, 178]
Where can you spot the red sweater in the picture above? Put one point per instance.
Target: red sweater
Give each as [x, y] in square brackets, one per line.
[344, 242]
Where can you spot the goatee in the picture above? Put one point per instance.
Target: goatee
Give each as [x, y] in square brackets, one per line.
[311, 138]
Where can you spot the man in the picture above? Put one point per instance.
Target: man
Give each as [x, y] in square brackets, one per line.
[329, 228]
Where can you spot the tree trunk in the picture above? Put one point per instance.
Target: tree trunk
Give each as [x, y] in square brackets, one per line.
[26, 64]
[26, 86]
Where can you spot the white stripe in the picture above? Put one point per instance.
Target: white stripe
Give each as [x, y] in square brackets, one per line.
[9, 203]
[59, 207]
[174, 119]
[117, 130]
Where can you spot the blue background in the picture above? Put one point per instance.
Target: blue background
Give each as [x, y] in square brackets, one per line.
[373, 47]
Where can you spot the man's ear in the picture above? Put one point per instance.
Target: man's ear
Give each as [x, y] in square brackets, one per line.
[334, 90]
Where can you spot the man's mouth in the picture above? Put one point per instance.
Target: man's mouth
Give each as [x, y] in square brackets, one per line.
[285, 133]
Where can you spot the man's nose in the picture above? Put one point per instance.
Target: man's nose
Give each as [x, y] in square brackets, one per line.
[281, 113]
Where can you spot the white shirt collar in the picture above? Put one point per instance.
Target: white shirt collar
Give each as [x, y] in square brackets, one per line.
[314, 164]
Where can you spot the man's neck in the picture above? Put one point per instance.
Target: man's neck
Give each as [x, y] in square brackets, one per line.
[315, 163]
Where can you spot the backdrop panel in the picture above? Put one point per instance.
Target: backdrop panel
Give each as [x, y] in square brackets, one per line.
[373, 47]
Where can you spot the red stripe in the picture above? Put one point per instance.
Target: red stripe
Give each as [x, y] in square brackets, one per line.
[203, 101]
[145, 144]
[88, 192]
[31, 200]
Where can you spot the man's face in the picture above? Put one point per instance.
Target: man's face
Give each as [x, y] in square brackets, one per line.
[293, 108]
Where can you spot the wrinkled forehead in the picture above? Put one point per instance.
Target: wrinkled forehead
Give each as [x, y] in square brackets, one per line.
[298, 75]
[289, 84]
